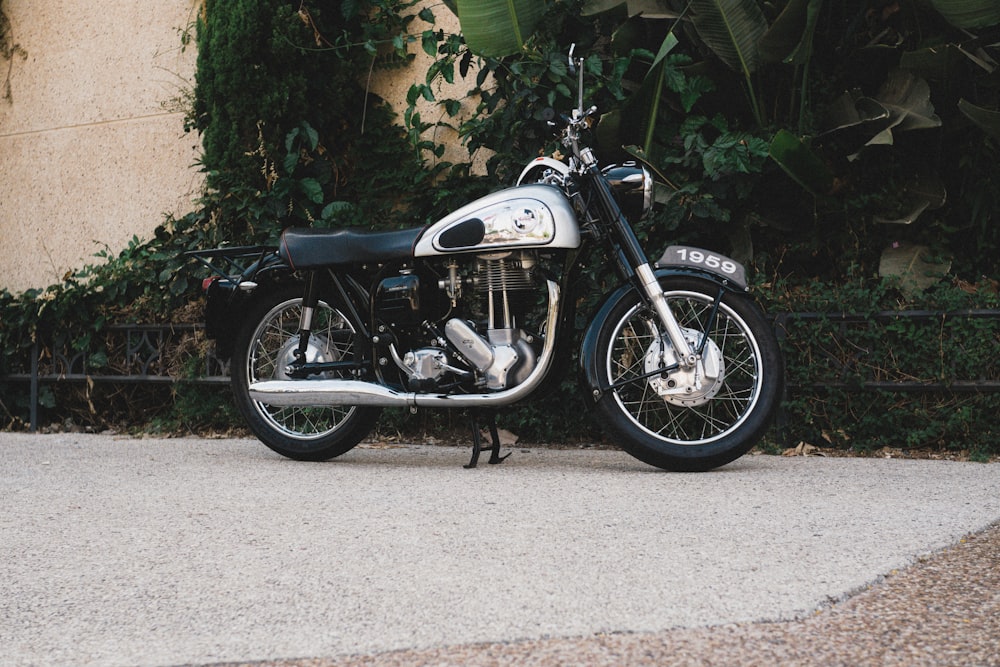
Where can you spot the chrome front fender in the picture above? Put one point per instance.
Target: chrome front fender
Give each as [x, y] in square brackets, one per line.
[543, 163]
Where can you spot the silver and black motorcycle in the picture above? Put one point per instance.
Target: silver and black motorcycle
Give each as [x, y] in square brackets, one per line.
[476, 310]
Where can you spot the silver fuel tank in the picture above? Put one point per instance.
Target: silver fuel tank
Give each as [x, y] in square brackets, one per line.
[529, 216]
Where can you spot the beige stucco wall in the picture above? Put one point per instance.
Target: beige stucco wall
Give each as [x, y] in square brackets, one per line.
[92, 145]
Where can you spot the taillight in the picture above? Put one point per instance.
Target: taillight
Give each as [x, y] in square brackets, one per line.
[207, 282]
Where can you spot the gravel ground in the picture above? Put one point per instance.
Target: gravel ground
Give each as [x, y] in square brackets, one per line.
[944, 610]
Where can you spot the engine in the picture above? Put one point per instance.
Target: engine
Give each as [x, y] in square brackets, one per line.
[465, 326]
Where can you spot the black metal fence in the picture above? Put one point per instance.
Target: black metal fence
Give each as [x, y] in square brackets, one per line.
[135, 354]
[883, 318]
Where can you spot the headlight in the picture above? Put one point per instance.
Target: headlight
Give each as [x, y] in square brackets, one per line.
[632, 186]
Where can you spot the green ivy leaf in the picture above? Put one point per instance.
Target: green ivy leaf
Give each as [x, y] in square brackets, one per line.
[429, 42]
[312, 190]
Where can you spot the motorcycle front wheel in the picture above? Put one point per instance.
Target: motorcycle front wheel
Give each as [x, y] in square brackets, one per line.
[265, 346]
[689, 420]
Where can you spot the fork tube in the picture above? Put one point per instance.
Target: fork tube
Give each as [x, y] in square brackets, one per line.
[651, 287]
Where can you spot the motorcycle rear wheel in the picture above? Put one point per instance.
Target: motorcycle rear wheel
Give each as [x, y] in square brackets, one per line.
[693, 422]
[264, 348]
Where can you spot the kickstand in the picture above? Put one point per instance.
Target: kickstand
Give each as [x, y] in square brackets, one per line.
[477, 443]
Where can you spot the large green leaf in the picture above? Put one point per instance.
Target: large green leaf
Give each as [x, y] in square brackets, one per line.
[987, 120]
[908, 99]
[650, 9]
[969, 13]
[914, 265]
[922, 191]
[801, 163]
[498, 27]
[732, 29]
[790, 37]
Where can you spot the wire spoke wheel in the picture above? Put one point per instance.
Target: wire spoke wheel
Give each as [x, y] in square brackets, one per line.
[272, 350]
[690, 418]
[266, 348]
[686, 419]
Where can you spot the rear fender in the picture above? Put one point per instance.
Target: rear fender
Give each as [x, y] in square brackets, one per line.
[228, 299]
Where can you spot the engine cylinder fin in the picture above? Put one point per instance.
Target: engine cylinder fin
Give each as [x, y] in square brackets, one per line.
[504, 274]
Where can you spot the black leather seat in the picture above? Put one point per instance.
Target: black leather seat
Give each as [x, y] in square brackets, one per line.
[308, 248]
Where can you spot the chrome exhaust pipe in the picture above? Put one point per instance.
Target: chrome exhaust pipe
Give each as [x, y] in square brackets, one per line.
[305, 393]
[314, 393]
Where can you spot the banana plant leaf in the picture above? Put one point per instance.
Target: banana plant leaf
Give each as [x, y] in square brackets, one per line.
[732, 29]
[906, 218]
[908, 99]
[914, 265]
[498, 28]
[853, 109]
[790, 37]
[988, 121]
[801, 163]
[969, 13]
[650, 9]
[854, 121]
[923, 191]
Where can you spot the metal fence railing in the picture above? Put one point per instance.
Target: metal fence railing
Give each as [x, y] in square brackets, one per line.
[134, 354]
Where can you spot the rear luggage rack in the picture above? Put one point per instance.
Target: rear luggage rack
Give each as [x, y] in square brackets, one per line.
[231, 263]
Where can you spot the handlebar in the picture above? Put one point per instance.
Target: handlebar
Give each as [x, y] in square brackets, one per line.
[571, 126]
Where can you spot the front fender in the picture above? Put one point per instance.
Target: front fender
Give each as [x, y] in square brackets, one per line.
[543, 163]
[590, 372]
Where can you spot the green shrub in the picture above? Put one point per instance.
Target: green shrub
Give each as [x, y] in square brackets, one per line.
[830, 361]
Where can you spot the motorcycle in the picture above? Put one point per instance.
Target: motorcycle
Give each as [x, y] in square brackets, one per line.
[476, 311]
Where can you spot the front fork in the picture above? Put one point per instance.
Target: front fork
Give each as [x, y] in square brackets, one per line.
[634, 260]
[686, 356]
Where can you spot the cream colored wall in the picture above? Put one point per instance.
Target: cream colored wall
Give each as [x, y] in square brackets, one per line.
[92, 146]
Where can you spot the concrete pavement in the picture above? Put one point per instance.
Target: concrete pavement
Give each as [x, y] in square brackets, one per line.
[120, 551]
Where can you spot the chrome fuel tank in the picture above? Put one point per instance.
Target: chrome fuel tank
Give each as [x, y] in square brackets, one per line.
[529, 216]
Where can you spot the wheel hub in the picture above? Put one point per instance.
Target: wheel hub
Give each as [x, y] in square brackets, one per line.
[317, 351]
[685, 387]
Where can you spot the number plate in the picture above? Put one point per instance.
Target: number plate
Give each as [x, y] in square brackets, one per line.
[698, 258]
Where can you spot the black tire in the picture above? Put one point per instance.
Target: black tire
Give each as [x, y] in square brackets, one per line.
[689, 423]
[264, 348]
